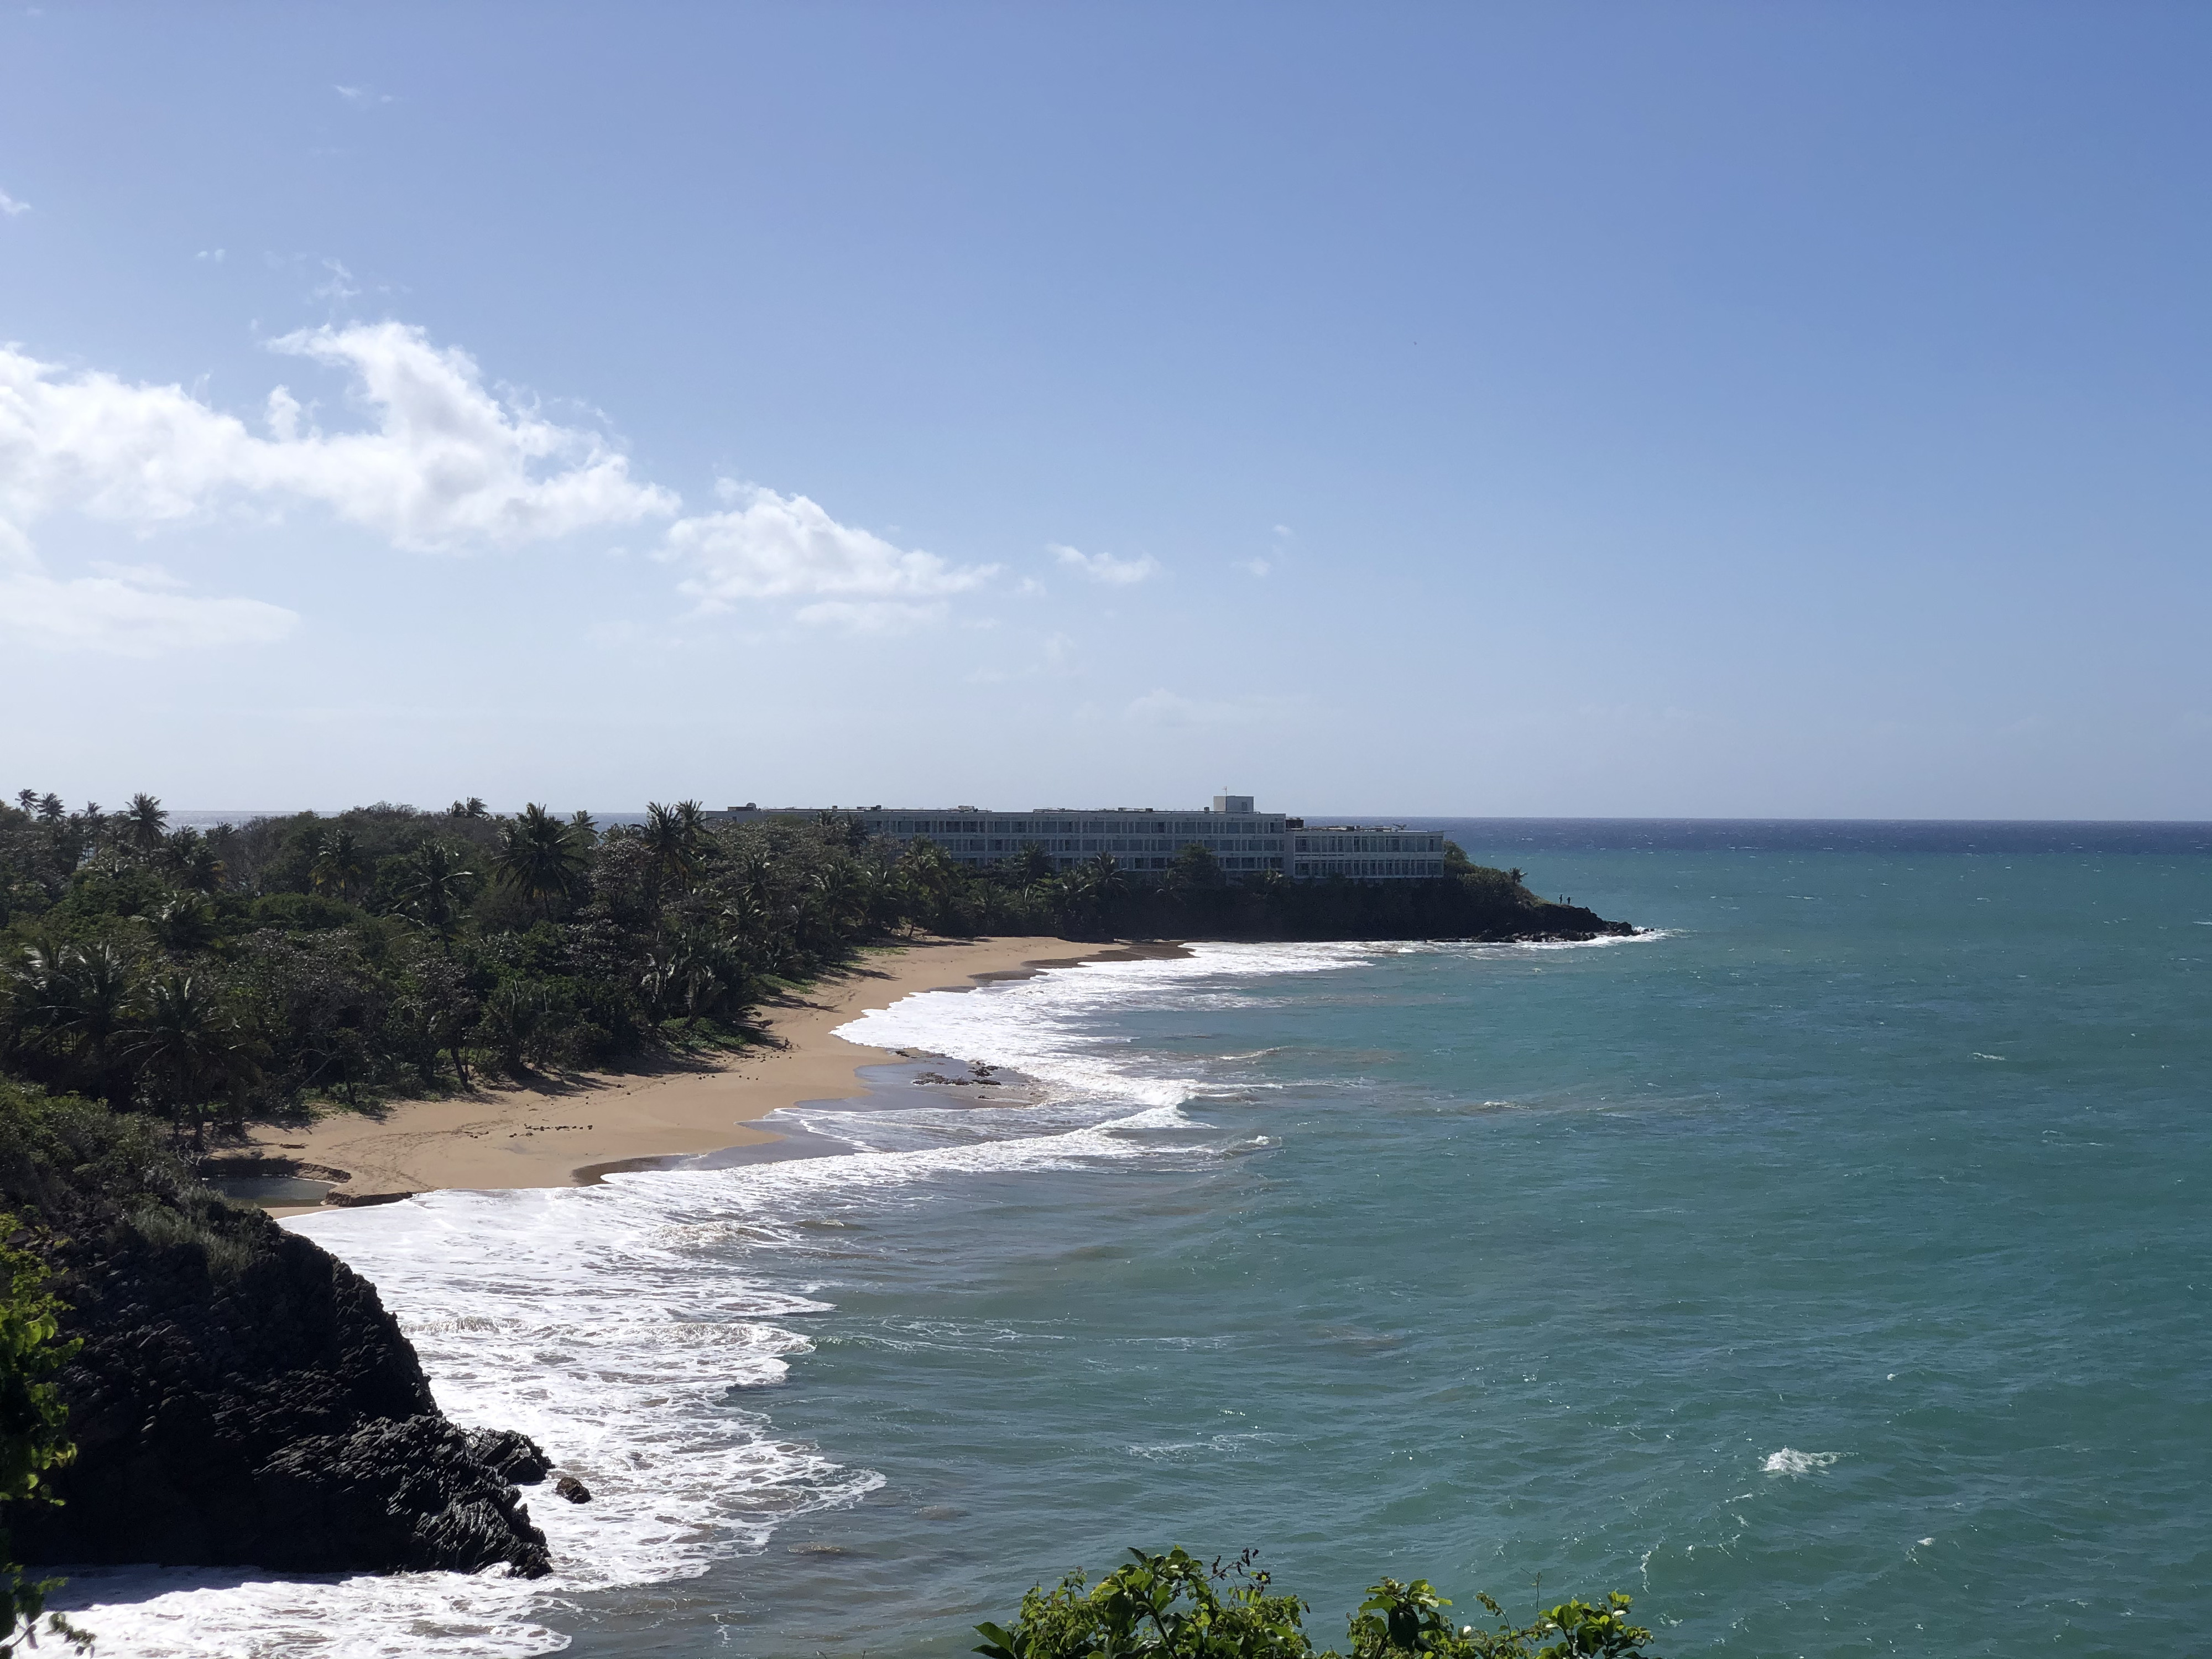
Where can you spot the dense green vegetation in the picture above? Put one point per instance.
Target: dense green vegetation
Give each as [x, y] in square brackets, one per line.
[386, 951]
[33, 1433]
[1176, 1606]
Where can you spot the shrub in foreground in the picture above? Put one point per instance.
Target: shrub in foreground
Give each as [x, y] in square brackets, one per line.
[1176, 1606]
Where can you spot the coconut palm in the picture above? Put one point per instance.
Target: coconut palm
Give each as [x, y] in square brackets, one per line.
[676, 840]
[188, 858]
[434, 889]
[540, 857]
[78, 998]
[182, 1049]
[338, 867]
[145, 822]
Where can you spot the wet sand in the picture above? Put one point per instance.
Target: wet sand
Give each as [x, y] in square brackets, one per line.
[557, 1135]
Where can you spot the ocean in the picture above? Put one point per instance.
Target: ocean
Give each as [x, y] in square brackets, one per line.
[1828, 1269]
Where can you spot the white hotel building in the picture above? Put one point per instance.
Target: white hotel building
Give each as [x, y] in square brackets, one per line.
[1148, 838]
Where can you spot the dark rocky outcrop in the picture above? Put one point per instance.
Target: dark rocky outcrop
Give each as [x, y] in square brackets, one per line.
[242, 1397]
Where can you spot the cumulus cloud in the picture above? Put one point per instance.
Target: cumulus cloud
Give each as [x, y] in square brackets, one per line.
[363, 97]
[777, 547]
[441, 464]
[1105, 566]
[10, 207]
[445, 464]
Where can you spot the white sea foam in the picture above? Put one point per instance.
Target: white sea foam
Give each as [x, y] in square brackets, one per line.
[1791, 1463]
[618, 1325]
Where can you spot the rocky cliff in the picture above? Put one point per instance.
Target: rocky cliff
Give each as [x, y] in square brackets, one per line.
[242, 1397]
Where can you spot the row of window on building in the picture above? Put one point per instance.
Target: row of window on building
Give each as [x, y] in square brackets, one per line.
[1148, 839]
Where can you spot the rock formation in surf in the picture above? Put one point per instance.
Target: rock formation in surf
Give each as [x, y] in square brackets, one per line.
[242, 1397]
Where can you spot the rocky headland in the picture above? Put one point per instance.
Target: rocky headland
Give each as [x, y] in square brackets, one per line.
[241, 1397]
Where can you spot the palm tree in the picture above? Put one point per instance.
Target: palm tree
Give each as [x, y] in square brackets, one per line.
[50, 808]
[184, 924]
[80, 996]
[337, 864]
[145, 822]
[435, 888]
[676, 841]
[183, 1048]
[539, 856]
[187, 858]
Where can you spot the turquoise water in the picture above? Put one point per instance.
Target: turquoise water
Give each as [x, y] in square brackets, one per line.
[1897, 1163]
[1829, 1273]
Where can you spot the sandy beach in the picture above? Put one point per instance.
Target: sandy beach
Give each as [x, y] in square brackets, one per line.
[555, 1135]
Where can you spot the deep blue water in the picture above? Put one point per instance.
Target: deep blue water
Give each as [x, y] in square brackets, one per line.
[1830, 1272]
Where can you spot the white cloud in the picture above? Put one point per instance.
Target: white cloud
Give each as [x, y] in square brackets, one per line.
[1105, 566]
[363, 97]
[1254, 566]
[444, 465]
[10, 206]
[873, 616]
[788, 547]
[212, 256]
[130, 618]
[339, 287]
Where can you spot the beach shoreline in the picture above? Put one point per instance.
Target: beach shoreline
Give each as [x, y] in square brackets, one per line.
[571, 1132]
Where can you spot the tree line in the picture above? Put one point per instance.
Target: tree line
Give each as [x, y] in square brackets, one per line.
[241, 970]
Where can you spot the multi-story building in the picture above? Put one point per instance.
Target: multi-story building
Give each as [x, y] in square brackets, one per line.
[1364, 852]
[1245, 842]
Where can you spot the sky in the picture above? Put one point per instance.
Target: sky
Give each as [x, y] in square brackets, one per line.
[1533, 409]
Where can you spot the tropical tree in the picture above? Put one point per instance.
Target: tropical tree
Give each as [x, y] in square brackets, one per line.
[184, 924]
[1195, 869]
[33, 1430]
[434, 890]
[145, 822]
[436, 1011]
[182, 1047]
[77, 999]
[929, 880]
[191, 860]
[338, 867]
[1090, 891]
[676, 839]
[540, 857]
[515, 1016]
[1176, 1606]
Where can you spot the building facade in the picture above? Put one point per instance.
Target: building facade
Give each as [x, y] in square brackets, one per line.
[1244, 840]
[1364, 852]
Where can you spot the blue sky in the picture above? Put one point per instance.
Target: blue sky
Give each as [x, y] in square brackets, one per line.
[1550, 410]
